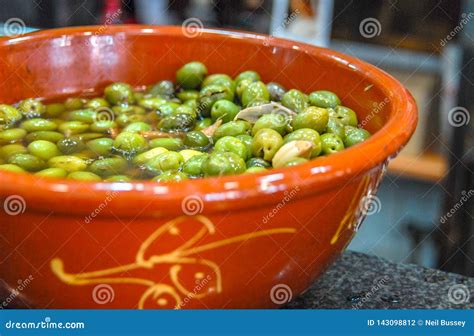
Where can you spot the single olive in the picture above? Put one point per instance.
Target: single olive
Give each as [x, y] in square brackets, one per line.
[233, 145]
[196, 139]
[191, 75]
[223, 163]
[84, 176]
[167, 109]
[220, 79]
[74, 103]
[86, 115]
[12, 135]
[295, 100]
[12, 149]
[345, 115]
[108, 166]
[118, 178]
[296, 161]
[43, 149]
[130, 143]
[52, 172]
[164, 88]
[144, 157]
[97, 103]
[242, 86]
[324, 99]
[331, 143]
[38, 124]
[275, 121]
[192, 102]
[311, 117]
[255, 91]
[258, 162]
[125, 119]
[103, 126]
[119, 93]
[31, 108]
[152, 103]
[276, 91]
[101, 146]
[12, 168]
[247, 141]
[266, 143]
[69, 163]
[172, 144]
[73, 127]
[44, 135]
[9, 116]
[54, 110]
[247, 75]
[203, 123]
[27, 162]
[165, 161]
[70, 145]
[186, 110]
[189, 153]
[225, 110]
[177, 123]
[187, 95]
[193, 166]
[232, 128]
[171, 176]
[137, 127]
[210, 94]
[307, 134]
[336, 127]
[354, 135]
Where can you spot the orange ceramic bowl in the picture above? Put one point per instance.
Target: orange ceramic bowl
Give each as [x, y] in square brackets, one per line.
[246, 241]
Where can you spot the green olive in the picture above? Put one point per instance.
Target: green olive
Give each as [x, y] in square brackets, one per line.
[345, 115]
[187, 95]
[307, 134]
[108, 166]
[247, 75]
[233, 145]
[275, 121]
[54, 110]
[67, 162]
[196, 139]
[295, 100]
[12, 168]
[165, 161]
[295, 162]
[84, 176]
[172, 144]
[189, 153]
[354, 135]
[125, 119]
[52, 172]
[27, 162]
[220, 79]
[12, 149]
[266, 143]
[73, 127]
[43, 149]
[210, 94]
[137, 127]
[203, 123]
[191, 75]
[118, 178]
[177, 123]
[38, 124]
[171, 176]
[255, 170]
[225, 110]
[74, 103]
[324, 99]
[312, 117]
[31, 108]
[276, 91]
[255, 91]
[232, 128]
[130, 143]
[164, 88]
[193, 166]
[103, 126]
[12, 135]
[70, 145]
[44, 135]
[331, 143]
[101, 146]
[9, 116]
[167, 109]
[97, 103]
[247, 141]
[186, 110]
[336, 127]
[242, 86]
[87, 116]
[152, 103]
[148, 155]
[258, 162]
[223, 163]
[119, 93]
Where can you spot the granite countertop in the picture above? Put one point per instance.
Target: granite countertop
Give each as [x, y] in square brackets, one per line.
[360, 281]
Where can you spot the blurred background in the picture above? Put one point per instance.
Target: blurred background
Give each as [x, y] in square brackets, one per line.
[424, 210]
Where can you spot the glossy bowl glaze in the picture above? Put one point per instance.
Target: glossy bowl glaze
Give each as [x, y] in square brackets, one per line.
[246, 241]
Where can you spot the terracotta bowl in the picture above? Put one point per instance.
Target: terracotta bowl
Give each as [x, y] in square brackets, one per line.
[247, 241]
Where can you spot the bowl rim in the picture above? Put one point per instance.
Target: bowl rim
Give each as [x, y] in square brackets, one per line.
[256, 189]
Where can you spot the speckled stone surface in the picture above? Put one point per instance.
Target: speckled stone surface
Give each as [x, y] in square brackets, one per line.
[360, 281]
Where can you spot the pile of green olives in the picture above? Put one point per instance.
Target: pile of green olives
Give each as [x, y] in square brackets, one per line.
[198, 126]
